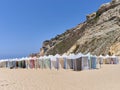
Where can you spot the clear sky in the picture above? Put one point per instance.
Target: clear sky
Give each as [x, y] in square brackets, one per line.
[25, 24]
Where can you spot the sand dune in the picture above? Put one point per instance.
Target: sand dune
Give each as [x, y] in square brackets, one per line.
[106, 78]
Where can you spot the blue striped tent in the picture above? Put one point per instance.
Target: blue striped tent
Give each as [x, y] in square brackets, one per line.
[85, 62]
[93, 62]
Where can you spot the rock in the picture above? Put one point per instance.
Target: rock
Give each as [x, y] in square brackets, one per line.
[100, 34]
[115, 49]
[91, 16]
[115, 1]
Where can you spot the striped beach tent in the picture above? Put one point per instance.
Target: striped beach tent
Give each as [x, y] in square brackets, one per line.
[3, 63]
[71, 59]
[27, 62]
[100, 59]
[23, 62]
[53, 60]
[41, 62]
[75, 62]
[106, 59]
[93, 62]
[114, 59]
[85, 62]
[37, 66]
[10, 63]
[66, 61]
[118, 58]
[59, 63]
[47, 62]
[32, 63]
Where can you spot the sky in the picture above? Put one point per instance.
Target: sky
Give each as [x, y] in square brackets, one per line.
[25, 24]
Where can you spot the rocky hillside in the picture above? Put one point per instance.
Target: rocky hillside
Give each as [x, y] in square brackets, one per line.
[99, 34]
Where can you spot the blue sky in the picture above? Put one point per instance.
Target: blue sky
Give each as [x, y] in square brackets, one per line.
[25, 24]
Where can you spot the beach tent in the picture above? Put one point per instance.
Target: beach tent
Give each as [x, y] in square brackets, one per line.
[37, 63]
[11, 63]
[27, 62]
[100, 59]
[64, 56]
[93, 62]
[26, 59]
[47, 62]
[23, 62]
[32, 63]
[8, 64]
[67, 61]
[78, 55]
[107, 59]
[59, 63]
[89, 59]
[71, 59]
[118, 58]
[19, 63]
[111, 59]
[14, 63]
[85, 62]
[40, 62]
[53, 63]
[114, 59]
[3, 63]
[77, 64]
[53, 60]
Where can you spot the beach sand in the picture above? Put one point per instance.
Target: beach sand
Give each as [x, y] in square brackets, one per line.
[106, 78]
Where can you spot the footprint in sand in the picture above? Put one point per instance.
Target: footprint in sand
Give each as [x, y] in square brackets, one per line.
[5, 83]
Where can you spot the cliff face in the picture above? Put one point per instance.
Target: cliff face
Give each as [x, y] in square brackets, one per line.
[99, 34]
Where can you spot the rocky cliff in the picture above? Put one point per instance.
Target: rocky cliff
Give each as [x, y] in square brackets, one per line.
[99, 34]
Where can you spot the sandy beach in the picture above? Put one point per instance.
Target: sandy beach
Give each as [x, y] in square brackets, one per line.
[106, 78]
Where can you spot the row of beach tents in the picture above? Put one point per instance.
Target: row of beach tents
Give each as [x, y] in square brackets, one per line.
[76, 62]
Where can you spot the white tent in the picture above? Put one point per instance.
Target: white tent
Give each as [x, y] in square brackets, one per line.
[72, 56]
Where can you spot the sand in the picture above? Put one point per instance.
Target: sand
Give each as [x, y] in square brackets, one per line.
[106, 78]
